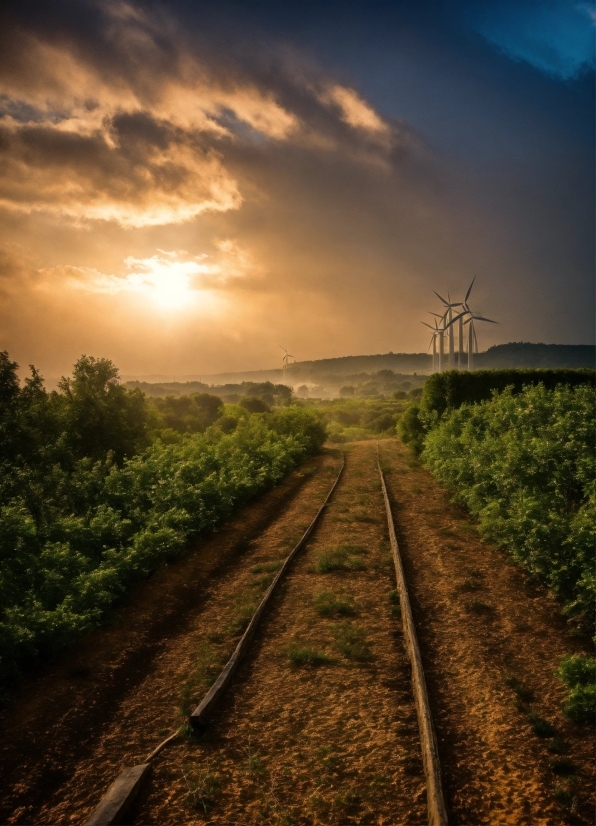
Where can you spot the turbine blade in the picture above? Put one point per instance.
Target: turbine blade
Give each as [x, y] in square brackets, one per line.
[427, 325]
[282, 348]
[469, 289]
[481, 318]
[438, 296]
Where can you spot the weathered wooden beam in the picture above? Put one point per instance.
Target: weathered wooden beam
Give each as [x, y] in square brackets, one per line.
[118, 799]
[437, 813]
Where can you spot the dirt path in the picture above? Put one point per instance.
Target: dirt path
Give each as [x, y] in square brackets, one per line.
[320, 725]
[490, 643]
[110, 700]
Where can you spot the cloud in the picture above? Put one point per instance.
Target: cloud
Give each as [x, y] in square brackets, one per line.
[141, 135]
[355, 111]
[148, 174]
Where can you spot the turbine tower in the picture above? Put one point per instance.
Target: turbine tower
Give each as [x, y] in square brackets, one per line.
[285, 361]
[438, 332]
[460, 337]
[448, 324]
[472, 338]
[433, 341]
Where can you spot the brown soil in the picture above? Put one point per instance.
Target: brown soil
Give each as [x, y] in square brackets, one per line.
[301, 743]
[74, 727]
[297, 743]
[490, 643]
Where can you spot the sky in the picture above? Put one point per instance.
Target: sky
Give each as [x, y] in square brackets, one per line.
[186, 186]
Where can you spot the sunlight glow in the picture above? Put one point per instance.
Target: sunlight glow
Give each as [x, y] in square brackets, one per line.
[169, 283]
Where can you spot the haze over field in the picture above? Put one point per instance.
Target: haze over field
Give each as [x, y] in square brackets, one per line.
[186, 185]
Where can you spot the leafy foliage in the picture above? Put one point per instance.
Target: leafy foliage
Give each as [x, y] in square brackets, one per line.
[445, 392]
[578, 672]
[88, 505]
[524, 465]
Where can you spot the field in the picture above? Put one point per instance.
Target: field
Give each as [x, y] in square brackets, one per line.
[319, 725]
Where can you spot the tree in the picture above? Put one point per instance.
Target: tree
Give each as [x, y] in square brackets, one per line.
[99, 414]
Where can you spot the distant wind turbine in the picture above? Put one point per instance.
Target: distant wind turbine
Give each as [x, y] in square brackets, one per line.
[285, 361]
[449, 304]
[472, 317]
[437, 333]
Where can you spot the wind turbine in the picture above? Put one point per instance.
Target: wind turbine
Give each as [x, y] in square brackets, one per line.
[460, 336]
[472, 338]
[437, 333]
[449, 304]
[285, 361]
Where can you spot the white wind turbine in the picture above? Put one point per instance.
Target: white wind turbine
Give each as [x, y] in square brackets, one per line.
[438, 332]
[285, 361]
[448, 324]
[472, 317]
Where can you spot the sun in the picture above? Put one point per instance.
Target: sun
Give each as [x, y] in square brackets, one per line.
[168, 283]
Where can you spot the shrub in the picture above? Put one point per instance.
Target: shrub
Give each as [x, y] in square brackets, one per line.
[449, 390]
[578, 672]
[524, 465]
[411, 429]
[75, 533]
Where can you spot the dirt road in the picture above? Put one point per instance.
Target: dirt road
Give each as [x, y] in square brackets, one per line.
[319, 727]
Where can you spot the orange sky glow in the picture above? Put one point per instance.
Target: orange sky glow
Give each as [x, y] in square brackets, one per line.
[183, 211]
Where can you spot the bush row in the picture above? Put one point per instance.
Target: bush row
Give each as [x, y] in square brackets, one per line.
[524, 465]
[72, 545]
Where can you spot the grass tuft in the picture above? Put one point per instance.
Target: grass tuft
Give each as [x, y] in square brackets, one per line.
[243, 613]
[328, 604]
[351, 642]
[558, 746]
[562, 766]
[339, 559]
[300, 654]
[566, 793]
[395, 603]
[540, 726]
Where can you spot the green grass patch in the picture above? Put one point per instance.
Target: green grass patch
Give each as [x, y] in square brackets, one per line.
[558, 746]
[243, 613]
[328, 604]
[351, 642]
[540, 726]
[339, 559]
[566, 793]
[303, 654]
[395, 603]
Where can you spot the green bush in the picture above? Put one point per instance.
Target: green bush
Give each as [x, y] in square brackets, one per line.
[578, 672]
[449, 390]
[76, 530]
[524, 465]
[411, 429]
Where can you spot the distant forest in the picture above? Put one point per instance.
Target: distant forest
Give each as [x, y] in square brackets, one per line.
[326, 377]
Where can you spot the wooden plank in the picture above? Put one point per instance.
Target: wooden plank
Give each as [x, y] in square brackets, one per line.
[437, 813]
[201, 714]
[116, 802]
